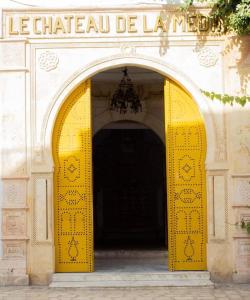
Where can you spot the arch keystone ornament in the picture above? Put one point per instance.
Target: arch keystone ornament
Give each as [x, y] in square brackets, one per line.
[186, 181]
[73, 211]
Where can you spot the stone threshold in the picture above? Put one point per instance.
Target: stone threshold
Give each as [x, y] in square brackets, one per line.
[134, 254]
[132, 279]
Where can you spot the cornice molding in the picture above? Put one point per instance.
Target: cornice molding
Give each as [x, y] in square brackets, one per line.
[31, 5]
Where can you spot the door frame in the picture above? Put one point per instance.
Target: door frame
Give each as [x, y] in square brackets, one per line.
[110, 62]
[139, 62]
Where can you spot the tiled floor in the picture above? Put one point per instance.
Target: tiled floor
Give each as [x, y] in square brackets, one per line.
[131, 261]
[44, 293]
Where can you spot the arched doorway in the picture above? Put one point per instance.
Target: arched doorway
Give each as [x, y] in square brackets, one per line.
[129, 188]
[186, 192]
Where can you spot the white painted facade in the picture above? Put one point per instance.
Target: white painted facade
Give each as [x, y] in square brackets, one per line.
[38, 72]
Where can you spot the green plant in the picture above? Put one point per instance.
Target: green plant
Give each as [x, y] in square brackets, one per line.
[234, 13]
[245, 225]
[227, 99]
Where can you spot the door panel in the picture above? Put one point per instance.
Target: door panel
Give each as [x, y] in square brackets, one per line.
[186, 150]
[185, 156]
[73, 212]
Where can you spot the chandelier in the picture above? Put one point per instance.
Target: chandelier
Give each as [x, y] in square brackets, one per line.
[125, 97]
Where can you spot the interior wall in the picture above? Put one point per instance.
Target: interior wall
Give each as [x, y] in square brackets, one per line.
[150, 91]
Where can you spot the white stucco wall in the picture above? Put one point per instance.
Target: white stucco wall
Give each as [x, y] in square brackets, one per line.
[37, 75]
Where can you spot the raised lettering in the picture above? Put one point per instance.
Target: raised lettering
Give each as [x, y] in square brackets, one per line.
[216, 25]
[47, 25]
[78, 24]
[159, 24]
[120, 24]
[101, 27]
[145, 26]
[192, 23]
[23, 25]
[11, 27]
[131, 24]
[61, 24]
[91, 25]
[203, 23]
[180, 20]
[35, 29]
[68, 23]
[58, 26]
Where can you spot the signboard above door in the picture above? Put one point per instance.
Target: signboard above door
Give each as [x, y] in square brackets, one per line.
[39, 24]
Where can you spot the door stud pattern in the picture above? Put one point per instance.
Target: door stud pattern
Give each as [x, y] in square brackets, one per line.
[186, 181]
[73, 212]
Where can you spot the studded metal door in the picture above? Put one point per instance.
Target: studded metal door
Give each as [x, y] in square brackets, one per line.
[73, 213]
[186, 151]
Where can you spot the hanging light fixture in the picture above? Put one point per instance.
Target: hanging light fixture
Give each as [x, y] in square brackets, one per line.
[125, 97]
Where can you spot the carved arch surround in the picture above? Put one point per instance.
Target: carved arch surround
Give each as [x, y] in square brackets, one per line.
[116, 61]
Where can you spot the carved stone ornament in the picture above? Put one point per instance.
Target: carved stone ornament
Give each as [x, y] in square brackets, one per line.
[14, 223]
[14, 249]
[48, 61]
[207, 57]
[128, 50]
[38, 154]
[220, 151]
[244, 142]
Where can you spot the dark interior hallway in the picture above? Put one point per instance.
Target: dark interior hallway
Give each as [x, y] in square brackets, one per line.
[129, 189]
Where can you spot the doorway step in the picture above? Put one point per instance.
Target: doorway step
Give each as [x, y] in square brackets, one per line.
[131, 268]
[131, 279]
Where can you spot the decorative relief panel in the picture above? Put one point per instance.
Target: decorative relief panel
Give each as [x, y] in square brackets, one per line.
[243, 257]
[14, 193]
[240, 213]
[219, 124]
[244, 143]
[220, 152]
[12, 54]
[245, 216]
[244, 248]
[48, 61]
[14, 223]
[14, 249]
[38, 154]
[241, 195]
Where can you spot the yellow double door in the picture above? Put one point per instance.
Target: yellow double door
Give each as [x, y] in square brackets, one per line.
[73, 187]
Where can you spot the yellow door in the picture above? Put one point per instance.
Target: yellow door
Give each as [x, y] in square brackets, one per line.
[186, 151]
[73, 212]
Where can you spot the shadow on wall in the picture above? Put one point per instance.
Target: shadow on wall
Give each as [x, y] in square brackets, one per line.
[236, 54]
[236, 48]
[193, 21]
